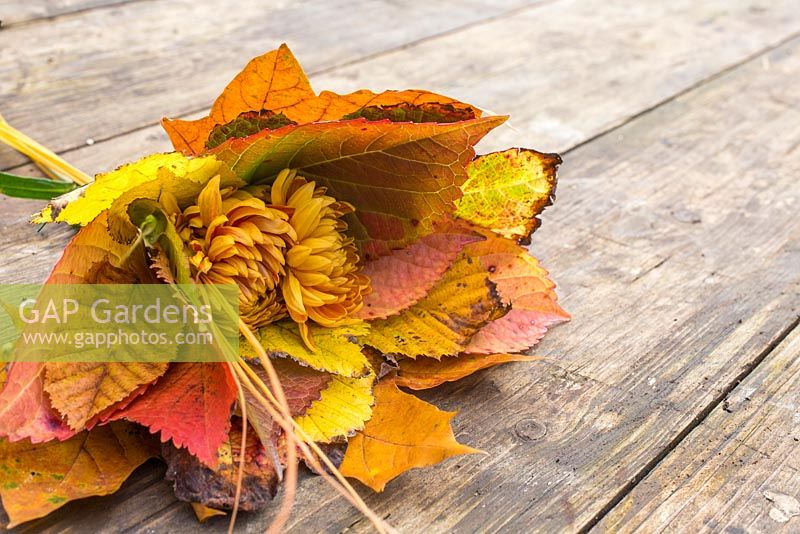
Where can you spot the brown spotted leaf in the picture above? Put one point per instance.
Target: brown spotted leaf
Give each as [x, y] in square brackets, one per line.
[522, 283]
[216, 488]
[36, 479]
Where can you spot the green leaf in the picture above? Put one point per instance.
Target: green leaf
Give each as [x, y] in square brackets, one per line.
[36, 188]
[248, 123]
[156, 228]
[507, 190]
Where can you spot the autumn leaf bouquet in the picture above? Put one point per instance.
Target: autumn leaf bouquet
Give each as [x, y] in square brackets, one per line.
[373, 254]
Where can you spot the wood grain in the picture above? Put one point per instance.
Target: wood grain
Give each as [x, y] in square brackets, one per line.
[563, 77]
[737, 472]
[14, 12]
[674, 241]
[109, 71]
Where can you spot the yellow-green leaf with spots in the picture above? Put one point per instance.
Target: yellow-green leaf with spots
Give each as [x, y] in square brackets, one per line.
[444, 321]
[506, 190]
[337, 351]
[343, 407]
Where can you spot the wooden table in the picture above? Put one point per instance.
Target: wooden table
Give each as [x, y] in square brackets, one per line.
[672, 400]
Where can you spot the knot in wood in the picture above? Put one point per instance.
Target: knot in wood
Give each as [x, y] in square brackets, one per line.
[530, 429]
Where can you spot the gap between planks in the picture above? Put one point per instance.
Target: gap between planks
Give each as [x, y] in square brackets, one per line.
[688, 89]
[696, 422]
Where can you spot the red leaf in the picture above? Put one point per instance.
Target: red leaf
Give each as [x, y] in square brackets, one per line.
[190, 405]
[25, 411]
[405, 276]
[521, 282]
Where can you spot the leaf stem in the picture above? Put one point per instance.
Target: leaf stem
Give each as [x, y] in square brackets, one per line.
[48, 161]
[242, 451]
[313, 453]
[291, 447]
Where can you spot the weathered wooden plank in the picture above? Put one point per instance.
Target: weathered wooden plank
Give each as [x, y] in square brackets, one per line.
[667, 233]
[110, 71]
[739, 471]
[568, 71]
[671, 45]
[533, 63]
[16, 11]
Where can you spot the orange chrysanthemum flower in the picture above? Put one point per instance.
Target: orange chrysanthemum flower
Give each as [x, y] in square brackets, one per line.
[323, 281]
[236, 238]
[284, 246]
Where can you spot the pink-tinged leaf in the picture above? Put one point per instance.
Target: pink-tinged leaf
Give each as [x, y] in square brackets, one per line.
[518, 330]
[190, 405]
[25, 411]
[405, 276]
[524, 284]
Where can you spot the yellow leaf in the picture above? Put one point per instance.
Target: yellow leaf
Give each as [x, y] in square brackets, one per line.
[506, 190]
[81, 390]
[336, 352]
[344, 406]
[204, 512]
[37, 479]
[147, 178]
[443, 322]
[404, 432]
